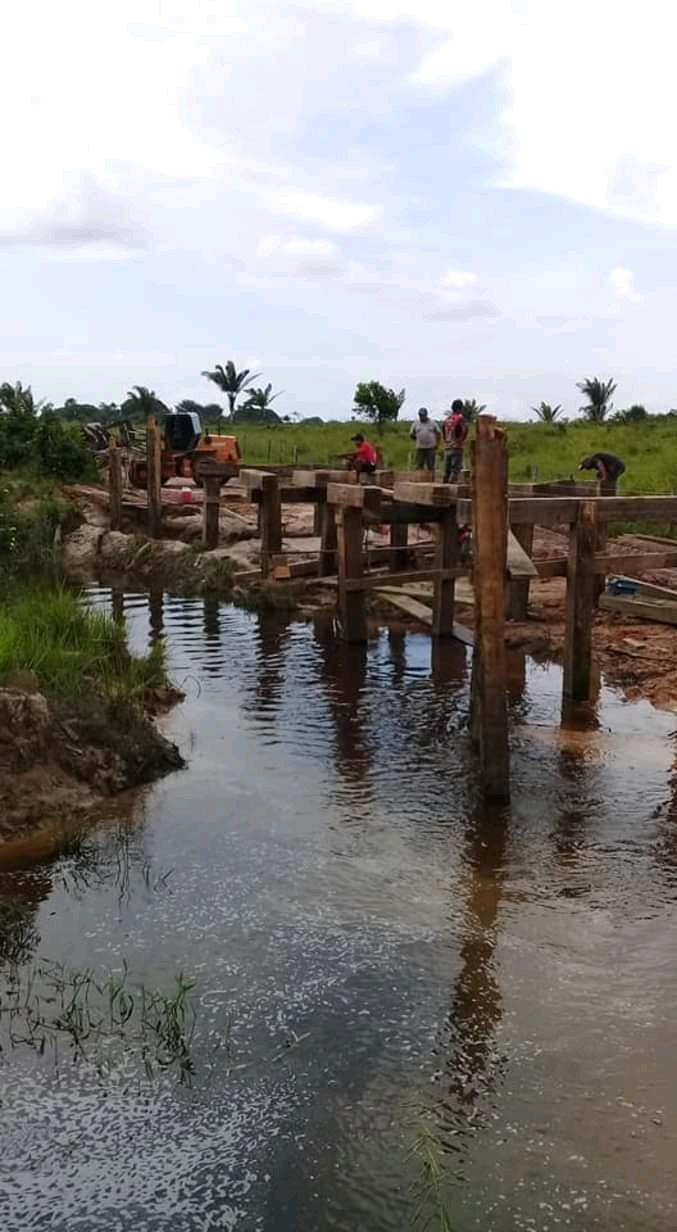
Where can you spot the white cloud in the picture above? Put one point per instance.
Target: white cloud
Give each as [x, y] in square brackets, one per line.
[458, 278]
[300, 256]
[329, 213]
[622, 282]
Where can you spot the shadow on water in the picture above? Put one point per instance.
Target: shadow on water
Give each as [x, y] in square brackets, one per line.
[399, 997]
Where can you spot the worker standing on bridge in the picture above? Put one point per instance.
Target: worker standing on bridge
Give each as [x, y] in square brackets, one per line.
[454, 436]
[609, 468]
[426, 434]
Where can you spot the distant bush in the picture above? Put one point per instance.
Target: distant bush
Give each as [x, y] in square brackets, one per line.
[44, 443]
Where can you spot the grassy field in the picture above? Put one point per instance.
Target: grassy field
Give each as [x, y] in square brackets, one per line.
[537, 451]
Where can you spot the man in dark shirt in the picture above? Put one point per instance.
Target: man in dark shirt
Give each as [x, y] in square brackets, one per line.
[609, 468]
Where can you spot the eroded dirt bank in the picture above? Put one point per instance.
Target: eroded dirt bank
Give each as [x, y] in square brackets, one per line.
[60, 761]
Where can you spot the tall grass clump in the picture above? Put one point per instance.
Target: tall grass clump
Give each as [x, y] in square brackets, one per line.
[71, 650]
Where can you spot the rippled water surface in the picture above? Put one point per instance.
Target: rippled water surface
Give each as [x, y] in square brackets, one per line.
[391, 986]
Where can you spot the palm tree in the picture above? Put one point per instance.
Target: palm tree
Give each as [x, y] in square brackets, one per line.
[547, 413]
[20, 401]
[261, 398]
[142, 402]
[471, 409]
[232, 382]
[599, 395]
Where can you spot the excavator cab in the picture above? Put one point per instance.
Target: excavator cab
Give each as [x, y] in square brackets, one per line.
[182, 432]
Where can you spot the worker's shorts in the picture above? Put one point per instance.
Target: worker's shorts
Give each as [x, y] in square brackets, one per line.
[453, 464]
[425, 459]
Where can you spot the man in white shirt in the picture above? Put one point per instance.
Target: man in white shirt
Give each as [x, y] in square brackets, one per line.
[427, 436]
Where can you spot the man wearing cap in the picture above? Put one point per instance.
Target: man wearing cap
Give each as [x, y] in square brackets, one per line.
[427, 435]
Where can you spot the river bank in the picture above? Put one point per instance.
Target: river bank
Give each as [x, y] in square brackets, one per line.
[77, 716]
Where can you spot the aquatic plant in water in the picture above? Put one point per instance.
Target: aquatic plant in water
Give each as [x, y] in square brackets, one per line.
[48, 1006]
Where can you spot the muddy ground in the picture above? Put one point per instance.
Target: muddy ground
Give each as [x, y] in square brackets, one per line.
[639, 656]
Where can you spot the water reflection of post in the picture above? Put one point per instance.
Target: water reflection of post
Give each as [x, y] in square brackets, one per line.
[156, 614]
[273, 635]
[344, 671]
[476, 1006]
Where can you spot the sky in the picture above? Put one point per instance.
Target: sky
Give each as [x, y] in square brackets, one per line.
[461, 199]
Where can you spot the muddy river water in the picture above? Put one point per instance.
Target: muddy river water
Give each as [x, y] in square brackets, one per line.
[402, 1003]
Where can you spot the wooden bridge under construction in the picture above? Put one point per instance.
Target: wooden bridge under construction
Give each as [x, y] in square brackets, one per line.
[502, 517]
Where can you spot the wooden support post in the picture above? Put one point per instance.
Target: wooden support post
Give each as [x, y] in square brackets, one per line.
[210, 512]
[490, 538]
[352, 609]
[399, 538]
[608, 487]
[271, 522]
[317, 518]
[115, 485]
[580, 605]
[446, 557]
[327, 539]
[518, 588]
[154, 478]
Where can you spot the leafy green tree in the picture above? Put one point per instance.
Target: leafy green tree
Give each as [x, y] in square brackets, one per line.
[232, 382]
[472, 408]
[375, 402]
[599, 395]
[547, 413]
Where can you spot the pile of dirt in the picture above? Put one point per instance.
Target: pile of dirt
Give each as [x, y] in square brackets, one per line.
[59, 761]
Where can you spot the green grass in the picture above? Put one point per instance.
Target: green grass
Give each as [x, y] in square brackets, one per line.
[71, 650]
[538, 451]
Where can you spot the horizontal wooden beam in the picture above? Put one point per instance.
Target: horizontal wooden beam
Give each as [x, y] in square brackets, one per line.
[253, 479]
[657, 610]
[375, 581]
[398, 513]
[439, 494]
[290, 495]
[320, 478]
[354, 496]
[629, 562]
[551, 568]
[636, 508]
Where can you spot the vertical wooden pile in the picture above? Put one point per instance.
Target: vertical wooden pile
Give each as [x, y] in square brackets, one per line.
[115, 485]
[446, 557]
[352, 607]
[490, 536]
[154, 478]
[210, 512]
[271, 522]
[581, 597]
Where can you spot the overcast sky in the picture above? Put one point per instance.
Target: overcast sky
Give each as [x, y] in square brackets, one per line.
[473, 199]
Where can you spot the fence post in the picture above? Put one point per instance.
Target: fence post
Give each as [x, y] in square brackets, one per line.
[115, 485]
[490, 547]
[154, 478]
[350, 567]
[581, 594]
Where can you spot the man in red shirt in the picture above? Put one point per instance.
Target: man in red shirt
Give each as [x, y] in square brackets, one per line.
[454, 436]
[363, 459]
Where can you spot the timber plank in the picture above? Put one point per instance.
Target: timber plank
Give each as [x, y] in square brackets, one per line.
[354, 496]
[439, 494]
